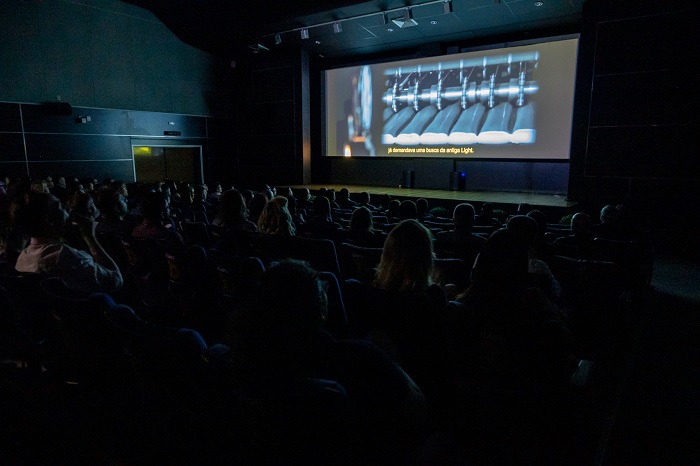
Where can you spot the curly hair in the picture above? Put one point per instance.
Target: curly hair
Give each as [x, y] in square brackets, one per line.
[276, 219]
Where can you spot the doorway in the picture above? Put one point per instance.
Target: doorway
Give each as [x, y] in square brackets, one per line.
[154, 163]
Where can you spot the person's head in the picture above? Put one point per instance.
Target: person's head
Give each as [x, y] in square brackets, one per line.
[392, 209]
[154, 206]
[407, 258]
[541, 219]
[364, 198]
[463, 216]
[343, 194]
[275, 218]
[361, 219]
[186, 191]
[256, 206]
[524, 229]
[293, 302]
[267, 192]
[502, 264]
[581, 223]
[84, 205]
[41, 215]
[112, 204]
[61, 181]
[487, 209]
[608, 214]
[88, 183]
[233, 208]
[40, 186]
[304, 194]
[322, 207]
[200, 193]
[120, 187]
[421, 207]
[408, 210]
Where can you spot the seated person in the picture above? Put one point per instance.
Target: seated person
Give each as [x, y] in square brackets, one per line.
[280, 336]
[525, 230]
[275, 218]
[343, 199]
[392, 211]
[513, 328]
[408, 210]
[156, 211]
[114, 209]
[320, 223]
[45, 219]
[460, 242]
[362, 232]
[486, 217]
[579, 243]
[609, 226]
[422, 211]
[233, 212]
[364, 200]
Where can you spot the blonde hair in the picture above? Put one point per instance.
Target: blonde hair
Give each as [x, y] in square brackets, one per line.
[275, 218]
[407, 258]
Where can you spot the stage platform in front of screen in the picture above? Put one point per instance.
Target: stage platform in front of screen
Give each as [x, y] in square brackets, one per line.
[496, 197]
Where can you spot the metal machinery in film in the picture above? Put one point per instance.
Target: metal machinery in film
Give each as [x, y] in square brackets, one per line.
[485, 100]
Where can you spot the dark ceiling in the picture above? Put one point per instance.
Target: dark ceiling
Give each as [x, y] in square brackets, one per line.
[228, 28]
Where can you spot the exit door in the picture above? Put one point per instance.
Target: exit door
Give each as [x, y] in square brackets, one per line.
[177, 163]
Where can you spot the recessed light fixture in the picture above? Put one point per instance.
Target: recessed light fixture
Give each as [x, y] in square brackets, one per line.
[390, 29]
[539, 3]
[433, 22]
[318, 42]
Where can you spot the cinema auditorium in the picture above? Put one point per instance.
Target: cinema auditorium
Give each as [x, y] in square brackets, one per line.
[349, 232]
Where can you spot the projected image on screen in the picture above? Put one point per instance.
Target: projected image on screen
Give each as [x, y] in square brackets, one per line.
[502, 103]
[471, 101]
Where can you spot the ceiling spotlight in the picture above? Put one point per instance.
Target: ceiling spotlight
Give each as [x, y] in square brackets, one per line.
[305, 33]
[539, 3]
[255, 48]
[447, 7]
[278, 39]
[406, 20]
[337, 27]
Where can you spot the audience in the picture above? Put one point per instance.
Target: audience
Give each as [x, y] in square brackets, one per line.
[44, 220]
[410, 350]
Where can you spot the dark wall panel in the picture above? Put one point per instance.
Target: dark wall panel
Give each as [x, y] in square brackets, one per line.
[11, 147]
[9, 118]
[121, 170]
[273, 84]
[113, 122]
[270, 149]
[655, 152]
[13, 169]
[274, 118]
[645, 98]
[54, 147]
